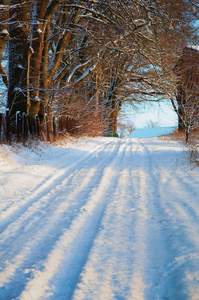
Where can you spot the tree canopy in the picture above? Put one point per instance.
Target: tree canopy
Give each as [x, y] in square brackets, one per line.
[86, 58]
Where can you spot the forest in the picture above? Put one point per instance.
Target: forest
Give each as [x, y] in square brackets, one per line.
[84, 59]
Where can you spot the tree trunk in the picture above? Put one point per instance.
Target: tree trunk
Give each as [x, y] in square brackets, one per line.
[44, 11]
[36, 59]
[4, 35]
[18, 57]
[187, 133]
[44, 95]
[113, 119]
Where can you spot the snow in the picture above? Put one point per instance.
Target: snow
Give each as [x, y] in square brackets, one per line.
[151, 132]
[18, 89]
[99, 218]
[5, 32]
[194, 47]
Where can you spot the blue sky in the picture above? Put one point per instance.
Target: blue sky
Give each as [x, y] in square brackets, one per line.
[163, 113]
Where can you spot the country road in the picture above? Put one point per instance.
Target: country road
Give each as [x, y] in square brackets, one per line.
[99, 219]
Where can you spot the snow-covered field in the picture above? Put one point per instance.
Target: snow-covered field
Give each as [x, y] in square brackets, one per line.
[99, 219]
[152, 132]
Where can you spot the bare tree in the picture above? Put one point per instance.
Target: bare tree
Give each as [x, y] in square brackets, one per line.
[125, 129]
[151, 124]
[187, 95]
[86, 58]
[19, 55]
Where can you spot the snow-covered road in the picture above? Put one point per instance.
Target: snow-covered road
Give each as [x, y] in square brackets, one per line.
[99, 219]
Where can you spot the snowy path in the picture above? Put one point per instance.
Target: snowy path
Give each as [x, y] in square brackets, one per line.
[102, 219]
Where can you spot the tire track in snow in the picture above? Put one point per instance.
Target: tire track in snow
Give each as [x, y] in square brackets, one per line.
[108, 271]
[180, 274]
[146, 231]
[125, 240]
[11, 214]
[175, 217]
[29, 245]
[48, 200]
[55, 205]
[184, 210]
[187, 197]
[126, 223]
[135, 271]
[150, 233]
[162, 240]
[80, 235]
